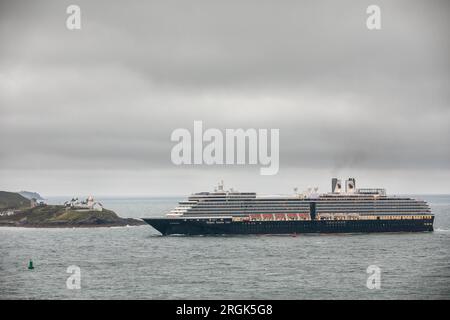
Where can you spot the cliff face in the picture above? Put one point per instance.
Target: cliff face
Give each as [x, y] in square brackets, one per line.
[15, 211]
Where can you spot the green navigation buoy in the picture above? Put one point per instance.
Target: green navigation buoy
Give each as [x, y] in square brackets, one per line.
[30, 265]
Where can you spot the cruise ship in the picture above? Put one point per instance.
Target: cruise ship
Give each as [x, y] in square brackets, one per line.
[346, 209]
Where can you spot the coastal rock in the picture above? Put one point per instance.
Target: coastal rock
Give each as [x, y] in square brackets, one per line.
[18, 211]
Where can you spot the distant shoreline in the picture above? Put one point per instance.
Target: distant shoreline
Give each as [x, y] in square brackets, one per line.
[87, 226]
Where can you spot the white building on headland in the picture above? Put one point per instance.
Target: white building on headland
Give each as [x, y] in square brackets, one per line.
[87, 205]
[37, 203]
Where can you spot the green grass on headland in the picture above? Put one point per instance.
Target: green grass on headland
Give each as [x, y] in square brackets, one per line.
[54, 215]
[12, 200]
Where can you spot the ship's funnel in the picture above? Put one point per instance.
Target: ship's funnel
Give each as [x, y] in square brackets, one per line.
[350, 185]
[336, 185]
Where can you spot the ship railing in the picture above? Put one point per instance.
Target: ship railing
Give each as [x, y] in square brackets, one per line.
[354, 216]
[274, 217]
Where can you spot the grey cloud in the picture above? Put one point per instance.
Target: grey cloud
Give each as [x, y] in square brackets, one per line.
[108, 96]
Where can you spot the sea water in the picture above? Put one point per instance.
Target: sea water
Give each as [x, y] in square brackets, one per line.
[138, 263]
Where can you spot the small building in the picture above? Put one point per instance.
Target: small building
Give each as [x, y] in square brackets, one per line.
[87, 205]
[37, 203]
[8, 213]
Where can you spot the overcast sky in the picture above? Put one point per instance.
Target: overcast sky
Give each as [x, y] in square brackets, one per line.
[91, 111]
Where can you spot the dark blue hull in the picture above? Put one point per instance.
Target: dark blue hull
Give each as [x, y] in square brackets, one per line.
[168, 226]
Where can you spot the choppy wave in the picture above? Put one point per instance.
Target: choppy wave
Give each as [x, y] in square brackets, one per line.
[142, 263]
